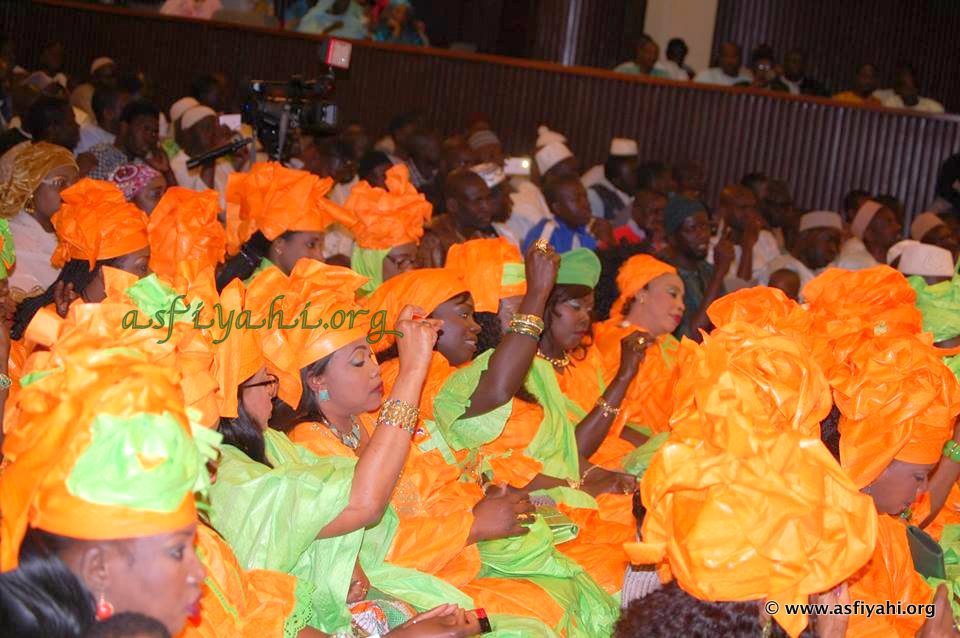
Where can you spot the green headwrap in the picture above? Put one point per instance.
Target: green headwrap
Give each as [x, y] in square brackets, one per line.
[580, 267]
[369, 263]
[513, 274]
[940, 306]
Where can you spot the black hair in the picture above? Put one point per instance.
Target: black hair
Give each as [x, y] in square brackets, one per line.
[130, 82]
[202, 84]
[762, 52]
[42, 597]
[830, 432]
[850, 199]
[370, 162]
[128, 625]
[76, 272]
[611, 167]
[647, 172]
[245, 435]
[242, 265]
[606, 291]
[645, 39]
[139, 108]
[45, 113]
[670, 611]
[308, 410]
[403, 120]
[563, 293]
[676, 42]
[751, 180]
[891, 202]
[864, 65]
[552, 188]
[105, 97]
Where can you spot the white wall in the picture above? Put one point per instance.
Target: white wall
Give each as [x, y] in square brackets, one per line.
[692, 20]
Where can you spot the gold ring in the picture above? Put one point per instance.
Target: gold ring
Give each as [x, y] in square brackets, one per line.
[525, 517]
[542, 246]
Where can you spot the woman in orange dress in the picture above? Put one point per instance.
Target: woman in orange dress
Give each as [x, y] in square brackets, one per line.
[650, 300]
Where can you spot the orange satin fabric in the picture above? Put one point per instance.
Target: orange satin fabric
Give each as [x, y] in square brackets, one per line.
[96, 222]
[426, 288]
[496, 595]
[482, 261]
[184, 228]
[274, 199]
[388, 218]
[888, 576]
[649, 398]
[897, 401]
[634, 275]
[321, 292]
[51, 428]
[256, 603]
[743, 500]
[434, 508]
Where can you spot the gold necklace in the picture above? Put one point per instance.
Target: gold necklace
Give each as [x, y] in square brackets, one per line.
[562, 362]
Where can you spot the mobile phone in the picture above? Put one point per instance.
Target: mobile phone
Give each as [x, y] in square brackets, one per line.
[517, 166]
[926, 552]
[231, 121]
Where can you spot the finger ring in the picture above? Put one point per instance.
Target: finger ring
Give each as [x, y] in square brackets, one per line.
[542, 245]
[524, 517]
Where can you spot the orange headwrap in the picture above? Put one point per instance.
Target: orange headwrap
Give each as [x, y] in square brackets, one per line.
[850, 307]
[101, 450]
[743, 500]
[316, 302]
[897, 400]
[239, 353]
[96, 222]
[482, 262]
[634, 275]
[426, 288]
[274, 200]
[184, 228]
[119, 322]
[388, 218]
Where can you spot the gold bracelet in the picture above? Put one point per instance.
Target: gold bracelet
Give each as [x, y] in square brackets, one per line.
[606, 409]
[532, 319]
[399, 414]
[525, 329]
[519, 321]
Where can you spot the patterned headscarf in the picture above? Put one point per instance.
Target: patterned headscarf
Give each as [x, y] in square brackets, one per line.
[23, 168]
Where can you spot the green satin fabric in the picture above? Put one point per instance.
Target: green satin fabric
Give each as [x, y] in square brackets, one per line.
[369, 263]
[271, 518]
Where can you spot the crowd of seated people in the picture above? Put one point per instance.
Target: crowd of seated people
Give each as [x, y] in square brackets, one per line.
[789, 75]
[398, 385]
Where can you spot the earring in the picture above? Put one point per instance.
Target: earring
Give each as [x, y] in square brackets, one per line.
[104, 609]
[641, 299]
[323, 395]
[29, 206]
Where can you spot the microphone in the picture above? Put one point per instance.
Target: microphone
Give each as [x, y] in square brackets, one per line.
[217, 153]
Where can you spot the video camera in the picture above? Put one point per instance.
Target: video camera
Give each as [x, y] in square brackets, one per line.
[278, 109]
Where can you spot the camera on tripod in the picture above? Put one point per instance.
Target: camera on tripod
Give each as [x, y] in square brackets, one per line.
[278, 109]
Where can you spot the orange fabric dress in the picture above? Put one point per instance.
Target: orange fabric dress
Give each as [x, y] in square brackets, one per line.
[604, 530]
[434, 507]
[889, 576]
[236, 602]
[649, 399]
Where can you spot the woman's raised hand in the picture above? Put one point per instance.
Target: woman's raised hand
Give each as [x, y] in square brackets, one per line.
[418, 336]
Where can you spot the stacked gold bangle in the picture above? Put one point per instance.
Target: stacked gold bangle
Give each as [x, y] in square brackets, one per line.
[606, 409]
[951, 450]
[399, 414]
[527, 325]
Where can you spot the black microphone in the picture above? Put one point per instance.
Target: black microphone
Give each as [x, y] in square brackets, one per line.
[217, 153]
